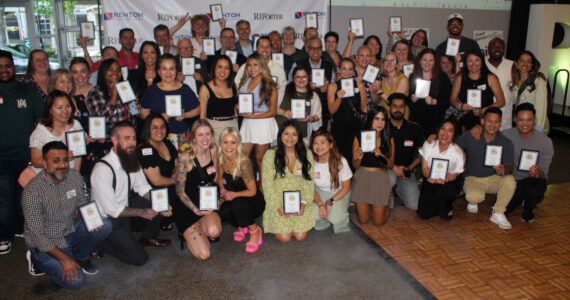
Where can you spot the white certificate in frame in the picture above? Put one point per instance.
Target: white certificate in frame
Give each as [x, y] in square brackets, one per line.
[291, 202]
[298, 110]
[76, 142]
[125, 72]
[232, 55]
[311, 20]
[188, 66]
[357, 26]
[370, 73]
[216, 11]
[161, 48]
[368, 140]
[493, 154]
[278, 58]
[318, 77]
[528, 158]
[422, 88]
[91, 216]
[88, 29]
[347, 85]
[396, 24]
[245, 103]
[209, 46]
[159, 200]
[208, 198]
[125, 91]
[474, 98]
[408, 69]
[97, 128]
[452, 47]
[173, 105]
[438, 168]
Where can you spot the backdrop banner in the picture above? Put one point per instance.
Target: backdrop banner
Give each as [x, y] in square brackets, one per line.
[263, 15]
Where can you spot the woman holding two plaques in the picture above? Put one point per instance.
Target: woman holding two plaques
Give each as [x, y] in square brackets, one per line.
[429, 106]
[473, 91]
[259, 129]
[173, 99]
[442, 162]
[373, 155]
[218, 97]
[332, 184]
[347, 111]
[243, 203]
[300, 89]
[196, 167]
[80, 75]
[288, 186]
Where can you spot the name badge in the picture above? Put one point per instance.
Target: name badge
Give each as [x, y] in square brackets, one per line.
[146, 151]
[317, 175]
[482, 87]
[408, 143]
[198, 67]
[1, 100]
[71, 194]
[300, 171]
[211, 170]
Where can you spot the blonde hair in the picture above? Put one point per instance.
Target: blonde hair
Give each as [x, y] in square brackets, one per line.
[191, 150]
[267, 83]
[397, 69]
[53, 78]
[241, 157]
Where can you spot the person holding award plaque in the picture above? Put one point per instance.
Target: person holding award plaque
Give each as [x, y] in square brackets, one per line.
[475, 90]
[373, 43]
[243, 203]
[442, 162]
[347, 111]
[174, 100]
[455, 30]
[195, 168]
[218, 97]
[288, 186]
[403, 53]
[363, 72]
[259, 128]
[58, 119]
[428, 109]
[373, 156]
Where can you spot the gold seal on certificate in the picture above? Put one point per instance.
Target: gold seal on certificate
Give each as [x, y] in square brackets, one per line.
[91, 216]
[88, 30]
[298, 109]
[348, 87]
[370, 73]
[311, 20]
[125, 72]
[438, 168]
[474, 98]
[188, 66]
[318, 77]
[493, 154]
[216, 10]
[408, 69]
[76, 142]
[173, 105]
[278, 58]
[232, 55]
[368, 140]
[159, 199]
[291, 202]
[208, 198]
[125, 91]
[528, 158]
[209, 46]
[422, 88]
[245, 103]
[97, 128]
[452, 47]
[357, 26]
[396, 24]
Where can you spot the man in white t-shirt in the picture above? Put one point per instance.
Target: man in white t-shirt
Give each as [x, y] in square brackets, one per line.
[501, 67]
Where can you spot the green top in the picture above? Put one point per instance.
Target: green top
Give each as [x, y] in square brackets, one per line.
[20, 107]
[286, 105]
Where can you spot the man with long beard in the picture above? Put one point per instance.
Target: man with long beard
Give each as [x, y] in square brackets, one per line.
[112, 180]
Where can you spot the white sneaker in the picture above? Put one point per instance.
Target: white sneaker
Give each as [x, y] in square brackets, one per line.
[501, 220]
[5, 247]
[472, 208]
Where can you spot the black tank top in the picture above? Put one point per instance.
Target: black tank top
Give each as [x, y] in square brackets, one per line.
[221, 107]
[194, 180]
[344, 116]
[233, 185]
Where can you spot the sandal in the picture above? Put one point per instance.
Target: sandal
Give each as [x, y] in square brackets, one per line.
[240, 235]
[252, 247]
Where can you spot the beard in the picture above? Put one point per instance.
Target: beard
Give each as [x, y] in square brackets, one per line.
[59, 177]
[129, 161]
[397, 116]
[9, 80]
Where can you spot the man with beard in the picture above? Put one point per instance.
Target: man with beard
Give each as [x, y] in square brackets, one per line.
[501, 67]
[408, 138]
[455, 29]
[20, 107]
[112, 180]
[56, 236]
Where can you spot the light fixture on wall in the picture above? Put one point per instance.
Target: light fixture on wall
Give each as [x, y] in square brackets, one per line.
[561, 37]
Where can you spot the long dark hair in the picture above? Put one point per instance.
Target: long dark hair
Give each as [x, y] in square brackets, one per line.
[161, 59]
[385, 136]
[230, 79]
[145, 133]
[300, 150]
[290, 89]
[370, 37]
[453, 122]
[435, 71]
[425, 43]
[47, 119]
[484, 70]
[101, 81]
[140, 83]
[534, 71]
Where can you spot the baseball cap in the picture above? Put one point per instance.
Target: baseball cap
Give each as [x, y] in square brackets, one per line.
[455, 16]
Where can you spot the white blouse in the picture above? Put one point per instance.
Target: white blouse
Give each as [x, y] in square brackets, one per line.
[453, 153]
[41, 136]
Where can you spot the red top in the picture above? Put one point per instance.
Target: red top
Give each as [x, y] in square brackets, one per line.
[131, 62]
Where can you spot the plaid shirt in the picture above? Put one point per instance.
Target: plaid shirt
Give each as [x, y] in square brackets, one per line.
[49, 209]
[100, 107]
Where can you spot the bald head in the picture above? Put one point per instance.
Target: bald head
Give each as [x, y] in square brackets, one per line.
[185, 48]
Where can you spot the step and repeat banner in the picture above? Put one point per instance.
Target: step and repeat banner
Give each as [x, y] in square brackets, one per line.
[263, 15]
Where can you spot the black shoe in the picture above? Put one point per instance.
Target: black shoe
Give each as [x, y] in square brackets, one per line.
[45, 287]
[154, 242]
[213, 241]
[32, 269]
[182, 240]
[88, 267]
[527, 215]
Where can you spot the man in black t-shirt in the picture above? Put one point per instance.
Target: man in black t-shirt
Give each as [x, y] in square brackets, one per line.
[455, 30]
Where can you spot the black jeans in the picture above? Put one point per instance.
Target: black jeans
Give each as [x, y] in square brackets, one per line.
[436, 199]
[242, 211]
[531, 191]
[11, 216]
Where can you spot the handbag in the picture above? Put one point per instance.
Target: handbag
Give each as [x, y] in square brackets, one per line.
[361, 116]
[26, 176]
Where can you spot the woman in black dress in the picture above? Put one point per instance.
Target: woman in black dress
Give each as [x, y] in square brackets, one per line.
[197, 167]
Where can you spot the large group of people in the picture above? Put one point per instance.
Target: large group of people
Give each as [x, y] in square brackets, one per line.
[373, 142]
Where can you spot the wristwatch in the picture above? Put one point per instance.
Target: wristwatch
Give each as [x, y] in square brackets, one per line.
[330, 201]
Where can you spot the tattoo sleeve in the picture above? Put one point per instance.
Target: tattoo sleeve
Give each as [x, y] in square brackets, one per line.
[181, 171]
[131, 212]
[246, 170]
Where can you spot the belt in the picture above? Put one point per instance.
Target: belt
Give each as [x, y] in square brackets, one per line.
[222, 118]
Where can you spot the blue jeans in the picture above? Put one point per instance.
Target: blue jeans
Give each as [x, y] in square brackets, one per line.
[85, 241]
[406, 189]
[11, 216]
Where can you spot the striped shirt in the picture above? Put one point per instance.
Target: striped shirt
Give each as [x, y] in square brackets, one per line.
[49, 209]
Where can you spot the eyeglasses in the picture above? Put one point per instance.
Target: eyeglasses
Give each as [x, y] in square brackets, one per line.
[392, 61]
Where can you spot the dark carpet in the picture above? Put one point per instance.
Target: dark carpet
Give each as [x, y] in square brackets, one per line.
[324, 266]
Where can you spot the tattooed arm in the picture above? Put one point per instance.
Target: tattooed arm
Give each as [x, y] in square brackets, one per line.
[182, 168]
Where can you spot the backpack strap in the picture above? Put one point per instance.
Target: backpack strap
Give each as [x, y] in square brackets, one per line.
[114, 177]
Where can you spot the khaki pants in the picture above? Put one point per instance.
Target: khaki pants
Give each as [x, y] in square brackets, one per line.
[504, 186]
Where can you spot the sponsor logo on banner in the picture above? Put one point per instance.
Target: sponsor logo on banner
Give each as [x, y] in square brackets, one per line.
[228, 16]
[169, 17]
[109, 40]
[267, 16]
[300, 14]
[123, 16]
